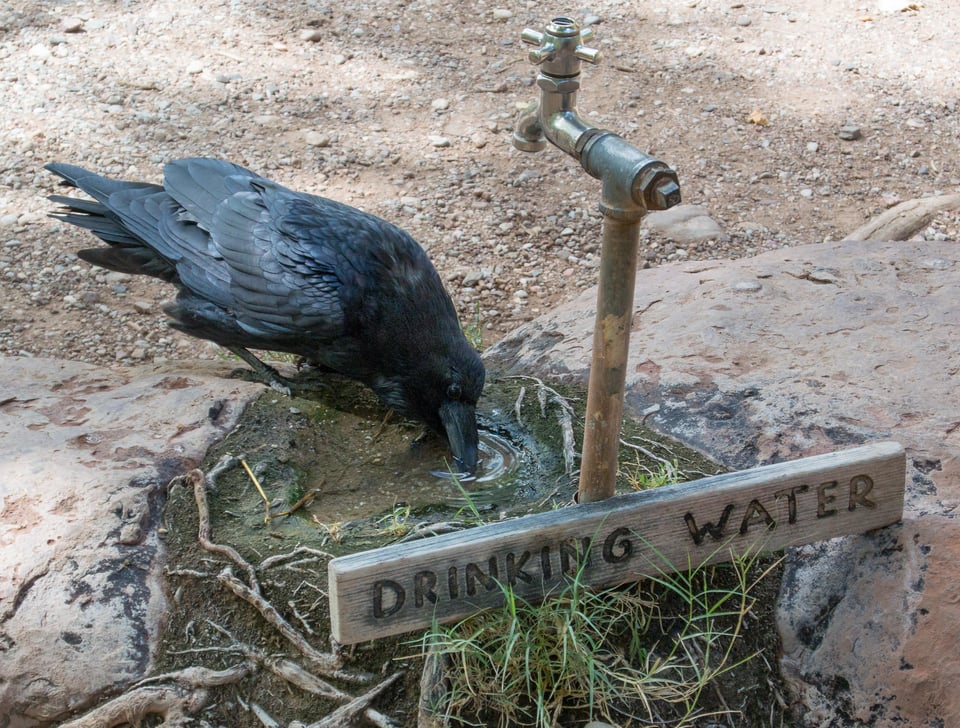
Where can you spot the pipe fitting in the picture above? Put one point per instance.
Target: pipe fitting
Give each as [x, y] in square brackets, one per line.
[633, 183]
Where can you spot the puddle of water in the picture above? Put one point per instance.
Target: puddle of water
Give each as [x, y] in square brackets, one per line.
[416, 474]
[373, 474]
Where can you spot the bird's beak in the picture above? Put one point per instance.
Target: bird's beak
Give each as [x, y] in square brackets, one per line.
[460, 423]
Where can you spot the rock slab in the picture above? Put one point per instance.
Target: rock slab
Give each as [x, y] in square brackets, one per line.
[793, 353]
[85, 454]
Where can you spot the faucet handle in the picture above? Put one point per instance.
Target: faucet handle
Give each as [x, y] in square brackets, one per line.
[531, 36]
[590, 55]
[563, 37]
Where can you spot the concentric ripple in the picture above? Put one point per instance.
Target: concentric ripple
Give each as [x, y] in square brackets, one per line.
[499, 460]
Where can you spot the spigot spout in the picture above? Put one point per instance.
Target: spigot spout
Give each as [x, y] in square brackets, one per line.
[527, 131]
[559, 52]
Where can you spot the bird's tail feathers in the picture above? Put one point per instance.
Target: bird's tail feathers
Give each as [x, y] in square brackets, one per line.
[135, 260]
[99, 188]
[127, 252]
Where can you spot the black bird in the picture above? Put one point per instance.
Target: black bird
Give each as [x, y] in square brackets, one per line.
[259, 266]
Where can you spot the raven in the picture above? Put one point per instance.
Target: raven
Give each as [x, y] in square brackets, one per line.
[259, 266]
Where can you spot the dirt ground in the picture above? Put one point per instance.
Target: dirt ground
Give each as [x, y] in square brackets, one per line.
[405, 108]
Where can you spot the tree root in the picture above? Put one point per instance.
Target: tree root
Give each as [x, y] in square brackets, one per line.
[177, 696]
[346, 714]
[902, 221]
[565, 414]
[175, 702]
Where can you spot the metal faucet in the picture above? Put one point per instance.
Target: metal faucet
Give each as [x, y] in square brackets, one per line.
[632, 184]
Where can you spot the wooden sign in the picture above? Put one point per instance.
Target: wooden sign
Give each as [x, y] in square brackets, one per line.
[405, 587]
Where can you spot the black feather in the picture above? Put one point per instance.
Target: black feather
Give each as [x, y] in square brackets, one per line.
[259, 266]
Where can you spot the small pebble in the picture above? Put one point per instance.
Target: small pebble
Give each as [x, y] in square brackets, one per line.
[312, 35]
[439, 141]
[850, 132]
[316, 138]
[71, 25]
[440, 104]
[502, 14]
[744, 20]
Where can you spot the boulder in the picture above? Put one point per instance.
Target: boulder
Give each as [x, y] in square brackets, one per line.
[793, 353]
[85, 455]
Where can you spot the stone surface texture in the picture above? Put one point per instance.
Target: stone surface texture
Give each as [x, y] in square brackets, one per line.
[793, 353]
[85, 455]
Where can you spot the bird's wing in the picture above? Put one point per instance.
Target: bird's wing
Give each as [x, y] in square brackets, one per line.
[286, 264]
[238, 247]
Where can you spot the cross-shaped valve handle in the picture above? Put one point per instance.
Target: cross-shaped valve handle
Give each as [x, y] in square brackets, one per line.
[561, 47]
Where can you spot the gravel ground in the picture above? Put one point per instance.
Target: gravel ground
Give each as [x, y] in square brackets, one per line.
[790, 123]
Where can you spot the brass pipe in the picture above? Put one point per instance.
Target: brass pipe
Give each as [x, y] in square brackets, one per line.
[608, 370]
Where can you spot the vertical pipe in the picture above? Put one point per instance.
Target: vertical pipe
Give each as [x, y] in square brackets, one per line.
[608, 370]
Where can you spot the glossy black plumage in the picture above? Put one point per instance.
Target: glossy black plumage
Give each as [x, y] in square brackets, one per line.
[259, 266]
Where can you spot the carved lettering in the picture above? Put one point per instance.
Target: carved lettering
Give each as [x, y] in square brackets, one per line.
[424, 584]
[453, 585]
[574, 553]
[546, 568]
[791, 495]
[617, 547]
[474, 574]
[860, 485]
[395, 597]
[716, 531]
[756, 513]
[824, 499]
[515, 570]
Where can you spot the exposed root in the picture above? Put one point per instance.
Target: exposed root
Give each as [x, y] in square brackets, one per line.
[227, 462]
[174, 702]
[565, 417]
[272, 561]
[425, 530]
[671, 470]
[903, 221]
[347, 714]
[196, 479]
[179, 695]
[545, 396]
[327, 663]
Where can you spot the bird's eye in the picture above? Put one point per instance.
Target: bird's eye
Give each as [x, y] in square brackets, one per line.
[454, 391]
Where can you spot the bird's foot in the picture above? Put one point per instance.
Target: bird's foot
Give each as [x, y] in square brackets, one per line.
[266, 374]
[263, 373]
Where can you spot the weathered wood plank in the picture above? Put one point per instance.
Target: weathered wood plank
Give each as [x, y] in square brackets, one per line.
[401, 588]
